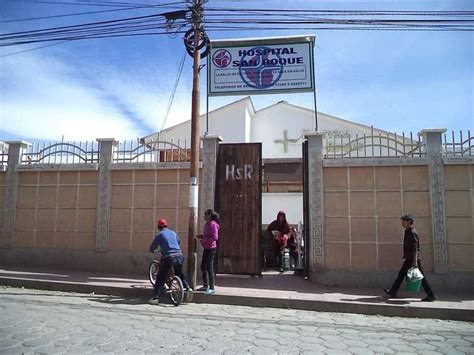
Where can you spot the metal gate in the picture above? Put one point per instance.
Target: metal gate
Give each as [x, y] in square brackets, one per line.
[239, 203]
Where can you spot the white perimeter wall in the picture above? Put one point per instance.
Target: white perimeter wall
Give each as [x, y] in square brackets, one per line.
[291, 203]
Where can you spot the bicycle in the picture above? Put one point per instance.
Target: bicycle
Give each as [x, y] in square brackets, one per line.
[173, 284]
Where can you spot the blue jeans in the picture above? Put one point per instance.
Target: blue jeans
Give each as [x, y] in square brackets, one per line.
[166, 263]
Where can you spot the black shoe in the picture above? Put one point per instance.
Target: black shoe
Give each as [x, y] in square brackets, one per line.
[391, 294]
[429, 299]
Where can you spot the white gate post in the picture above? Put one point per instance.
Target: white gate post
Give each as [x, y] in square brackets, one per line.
[11, 192]
[104, 192]
[315, 202]
[432, 139]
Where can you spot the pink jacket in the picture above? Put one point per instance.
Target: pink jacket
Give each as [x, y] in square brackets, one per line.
[210, 236]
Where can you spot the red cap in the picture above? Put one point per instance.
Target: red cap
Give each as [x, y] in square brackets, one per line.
[162, 223]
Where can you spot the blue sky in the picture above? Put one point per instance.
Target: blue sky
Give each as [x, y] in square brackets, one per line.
[396, 80]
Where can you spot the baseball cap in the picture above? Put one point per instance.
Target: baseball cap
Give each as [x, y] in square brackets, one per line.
[407, 217]
[162, 223]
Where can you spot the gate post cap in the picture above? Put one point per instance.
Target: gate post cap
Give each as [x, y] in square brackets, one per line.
[212, 136]
[315, 134]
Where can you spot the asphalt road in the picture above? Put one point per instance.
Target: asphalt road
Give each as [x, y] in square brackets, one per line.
[43, 322]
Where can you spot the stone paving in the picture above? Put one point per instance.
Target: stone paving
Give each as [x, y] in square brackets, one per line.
[45, 322]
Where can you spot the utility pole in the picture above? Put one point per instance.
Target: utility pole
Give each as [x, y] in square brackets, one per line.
[195, 140]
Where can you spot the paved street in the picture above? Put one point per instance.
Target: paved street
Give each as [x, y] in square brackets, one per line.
[36, 321]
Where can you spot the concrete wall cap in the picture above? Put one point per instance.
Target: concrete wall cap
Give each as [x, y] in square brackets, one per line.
[114, 142]
[315, 134]
[22, 143]
[212, 136]
[432, 130]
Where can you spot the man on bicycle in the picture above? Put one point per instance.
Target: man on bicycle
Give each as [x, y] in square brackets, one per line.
[171, 256]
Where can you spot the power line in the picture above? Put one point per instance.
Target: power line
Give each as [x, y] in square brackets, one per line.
[33, 49]
[93, 12]
[243, 20]
[170, 103]
[78, 3]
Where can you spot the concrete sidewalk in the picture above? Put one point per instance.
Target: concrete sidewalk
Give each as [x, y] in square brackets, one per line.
[273, 290]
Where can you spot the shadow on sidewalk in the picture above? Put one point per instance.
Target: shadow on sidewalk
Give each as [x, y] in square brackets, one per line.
[287, 281]
[377, 299]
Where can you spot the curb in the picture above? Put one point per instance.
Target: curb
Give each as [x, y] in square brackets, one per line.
[306, 305]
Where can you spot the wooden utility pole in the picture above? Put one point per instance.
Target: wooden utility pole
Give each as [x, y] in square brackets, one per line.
[195, 140]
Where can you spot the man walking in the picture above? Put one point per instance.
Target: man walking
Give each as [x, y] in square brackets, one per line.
[411, 254]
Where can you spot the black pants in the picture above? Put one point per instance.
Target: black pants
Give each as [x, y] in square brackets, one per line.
[293, 259]
[207, 268]
[165, 265]
[403, 273]
[279, 255]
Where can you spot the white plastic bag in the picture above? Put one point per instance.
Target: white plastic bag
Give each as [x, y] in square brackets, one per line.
[414, 274]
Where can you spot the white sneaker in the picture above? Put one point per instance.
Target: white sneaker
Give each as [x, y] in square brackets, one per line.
[154, 301]
[210, 291]
[189, 295]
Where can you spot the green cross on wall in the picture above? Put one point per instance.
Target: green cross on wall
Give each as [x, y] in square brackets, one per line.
[285, 141]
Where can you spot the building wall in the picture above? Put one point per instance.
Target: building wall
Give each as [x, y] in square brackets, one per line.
[459, 197]
[56, 216]
[56, 209]
[3, 176]
[291, 203]
[362, 209]
[232, 123]
[139, 199]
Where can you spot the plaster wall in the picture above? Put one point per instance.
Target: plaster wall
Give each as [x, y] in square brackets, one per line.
[362, 209]
[139, 199]
[3, 176]
[56, 209]
[459, 197]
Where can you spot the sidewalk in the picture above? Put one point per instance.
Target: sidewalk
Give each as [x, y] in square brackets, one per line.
[273, 290]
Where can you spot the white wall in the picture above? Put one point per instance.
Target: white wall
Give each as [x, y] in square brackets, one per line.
[291, 203]
[237, 123]
[231, 122]
[269, 124]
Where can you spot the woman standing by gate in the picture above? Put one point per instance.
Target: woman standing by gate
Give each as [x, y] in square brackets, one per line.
[209, 242]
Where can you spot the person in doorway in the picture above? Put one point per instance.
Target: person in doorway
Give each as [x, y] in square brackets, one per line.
[279, 231]
[168, 242]
[208, 241]
[293, 246]
[411, 254]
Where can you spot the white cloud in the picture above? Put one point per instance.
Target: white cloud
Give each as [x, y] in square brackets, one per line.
[44, 98]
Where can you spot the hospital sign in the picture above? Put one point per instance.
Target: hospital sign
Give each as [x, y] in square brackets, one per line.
[261, 66]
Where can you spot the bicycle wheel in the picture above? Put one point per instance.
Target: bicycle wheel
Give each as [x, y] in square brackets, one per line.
[176, 290]
[153, 271]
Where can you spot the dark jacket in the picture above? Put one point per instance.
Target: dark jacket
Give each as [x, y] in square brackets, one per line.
[411, 244]
[283, 228]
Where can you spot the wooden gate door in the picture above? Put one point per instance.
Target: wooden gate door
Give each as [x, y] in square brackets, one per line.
[239, 203]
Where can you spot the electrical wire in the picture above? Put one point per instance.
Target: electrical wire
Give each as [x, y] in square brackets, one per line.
[32, 49]
[78, 3]
[248, 20]
[171, 5]
[170, 102]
